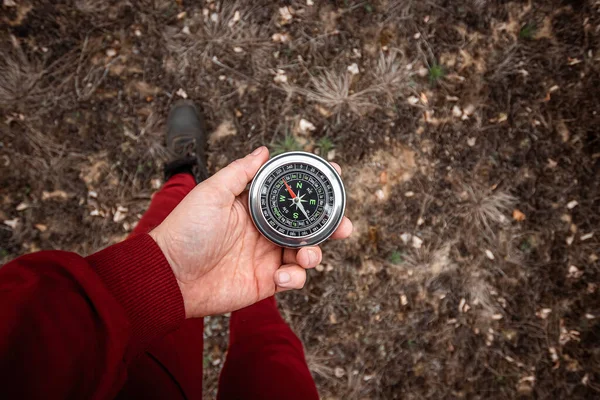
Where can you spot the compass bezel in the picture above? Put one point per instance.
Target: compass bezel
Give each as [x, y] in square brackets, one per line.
[336, 213]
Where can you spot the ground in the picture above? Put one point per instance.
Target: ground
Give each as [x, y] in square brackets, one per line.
[468, 135]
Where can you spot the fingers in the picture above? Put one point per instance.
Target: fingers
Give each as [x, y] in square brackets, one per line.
[290, 276]
[337, 167]
[309, 257]
[239, 173]
[306, 257]
[344, 230]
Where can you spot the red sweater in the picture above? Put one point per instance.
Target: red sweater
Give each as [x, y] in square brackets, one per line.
[69, 325]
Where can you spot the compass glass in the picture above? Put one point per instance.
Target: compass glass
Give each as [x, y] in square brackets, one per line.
[296, 199]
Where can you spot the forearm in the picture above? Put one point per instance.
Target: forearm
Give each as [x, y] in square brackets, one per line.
[69, 325]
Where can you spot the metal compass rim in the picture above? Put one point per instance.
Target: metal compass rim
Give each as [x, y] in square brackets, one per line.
[337, 211]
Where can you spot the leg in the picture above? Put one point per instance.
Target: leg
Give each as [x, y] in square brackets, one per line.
[172, 366]
[164, 201]
[265, 358]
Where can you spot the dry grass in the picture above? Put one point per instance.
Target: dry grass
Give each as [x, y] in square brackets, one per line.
[427, 263]
[486, 209]
[392, 73]
[338, 92]
[332, 90]
[227, 33]
[19, 76]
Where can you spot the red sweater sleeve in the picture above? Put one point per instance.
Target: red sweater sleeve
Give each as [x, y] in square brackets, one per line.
[69, 325]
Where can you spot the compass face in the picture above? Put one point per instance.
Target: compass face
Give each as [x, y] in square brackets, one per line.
[297, 199]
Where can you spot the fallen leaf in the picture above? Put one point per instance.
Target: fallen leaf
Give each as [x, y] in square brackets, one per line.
[543, 313]
[353, 69]
[338, 371]
[56, 194]
[572, 204]
[518, 215]
[383, 177]
[417, 242]
[574, 272]
[412, 100]
[405, 237]
[120, 214]
[586, 236]
[236, 17]
[469, 109]
[456, 111]
[403, 300]
[285, 14]
[12, 222]
[143, 89]
[156, 183]
[323, 111]
[22, 11]
[280, 37]
[305, 126]
[41, 227]
[563, 131]
[462, 306]
[22, 206]
[181, 93]
[424, 99]
[489, 254]
[280, 77]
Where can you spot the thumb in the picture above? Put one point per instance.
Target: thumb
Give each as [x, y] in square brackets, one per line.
[239, 173]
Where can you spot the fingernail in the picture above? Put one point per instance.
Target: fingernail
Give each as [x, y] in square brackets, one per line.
[258, 151]
[283, 277]
[312, 257]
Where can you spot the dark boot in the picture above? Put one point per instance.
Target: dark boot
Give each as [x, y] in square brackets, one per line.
[186, 140]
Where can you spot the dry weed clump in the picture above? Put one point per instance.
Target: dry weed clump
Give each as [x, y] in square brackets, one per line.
[229, 35]
[20, 76]
[485, 209]
[338, 91]
[428, 262]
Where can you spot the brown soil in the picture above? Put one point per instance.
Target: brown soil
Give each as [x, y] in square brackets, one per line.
[470, 152]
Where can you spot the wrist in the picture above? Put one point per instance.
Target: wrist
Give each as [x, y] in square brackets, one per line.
[159, 238]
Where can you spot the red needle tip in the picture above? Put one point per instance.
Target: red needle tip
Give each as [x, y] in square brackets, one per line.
[289, 189]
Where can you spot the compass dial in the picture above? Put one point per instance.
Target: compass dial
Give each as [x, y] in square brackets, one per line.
[297, 199]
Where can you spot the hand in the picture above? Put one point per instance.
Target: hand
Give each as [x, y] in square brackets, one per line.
[221, 262]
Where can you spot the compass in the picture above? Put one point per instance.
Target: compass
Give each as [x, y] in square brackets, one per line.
[297, 199]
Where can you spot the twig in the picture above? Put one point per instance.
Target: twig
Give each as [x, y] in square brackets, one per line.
[228, 68]
[85, 42]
